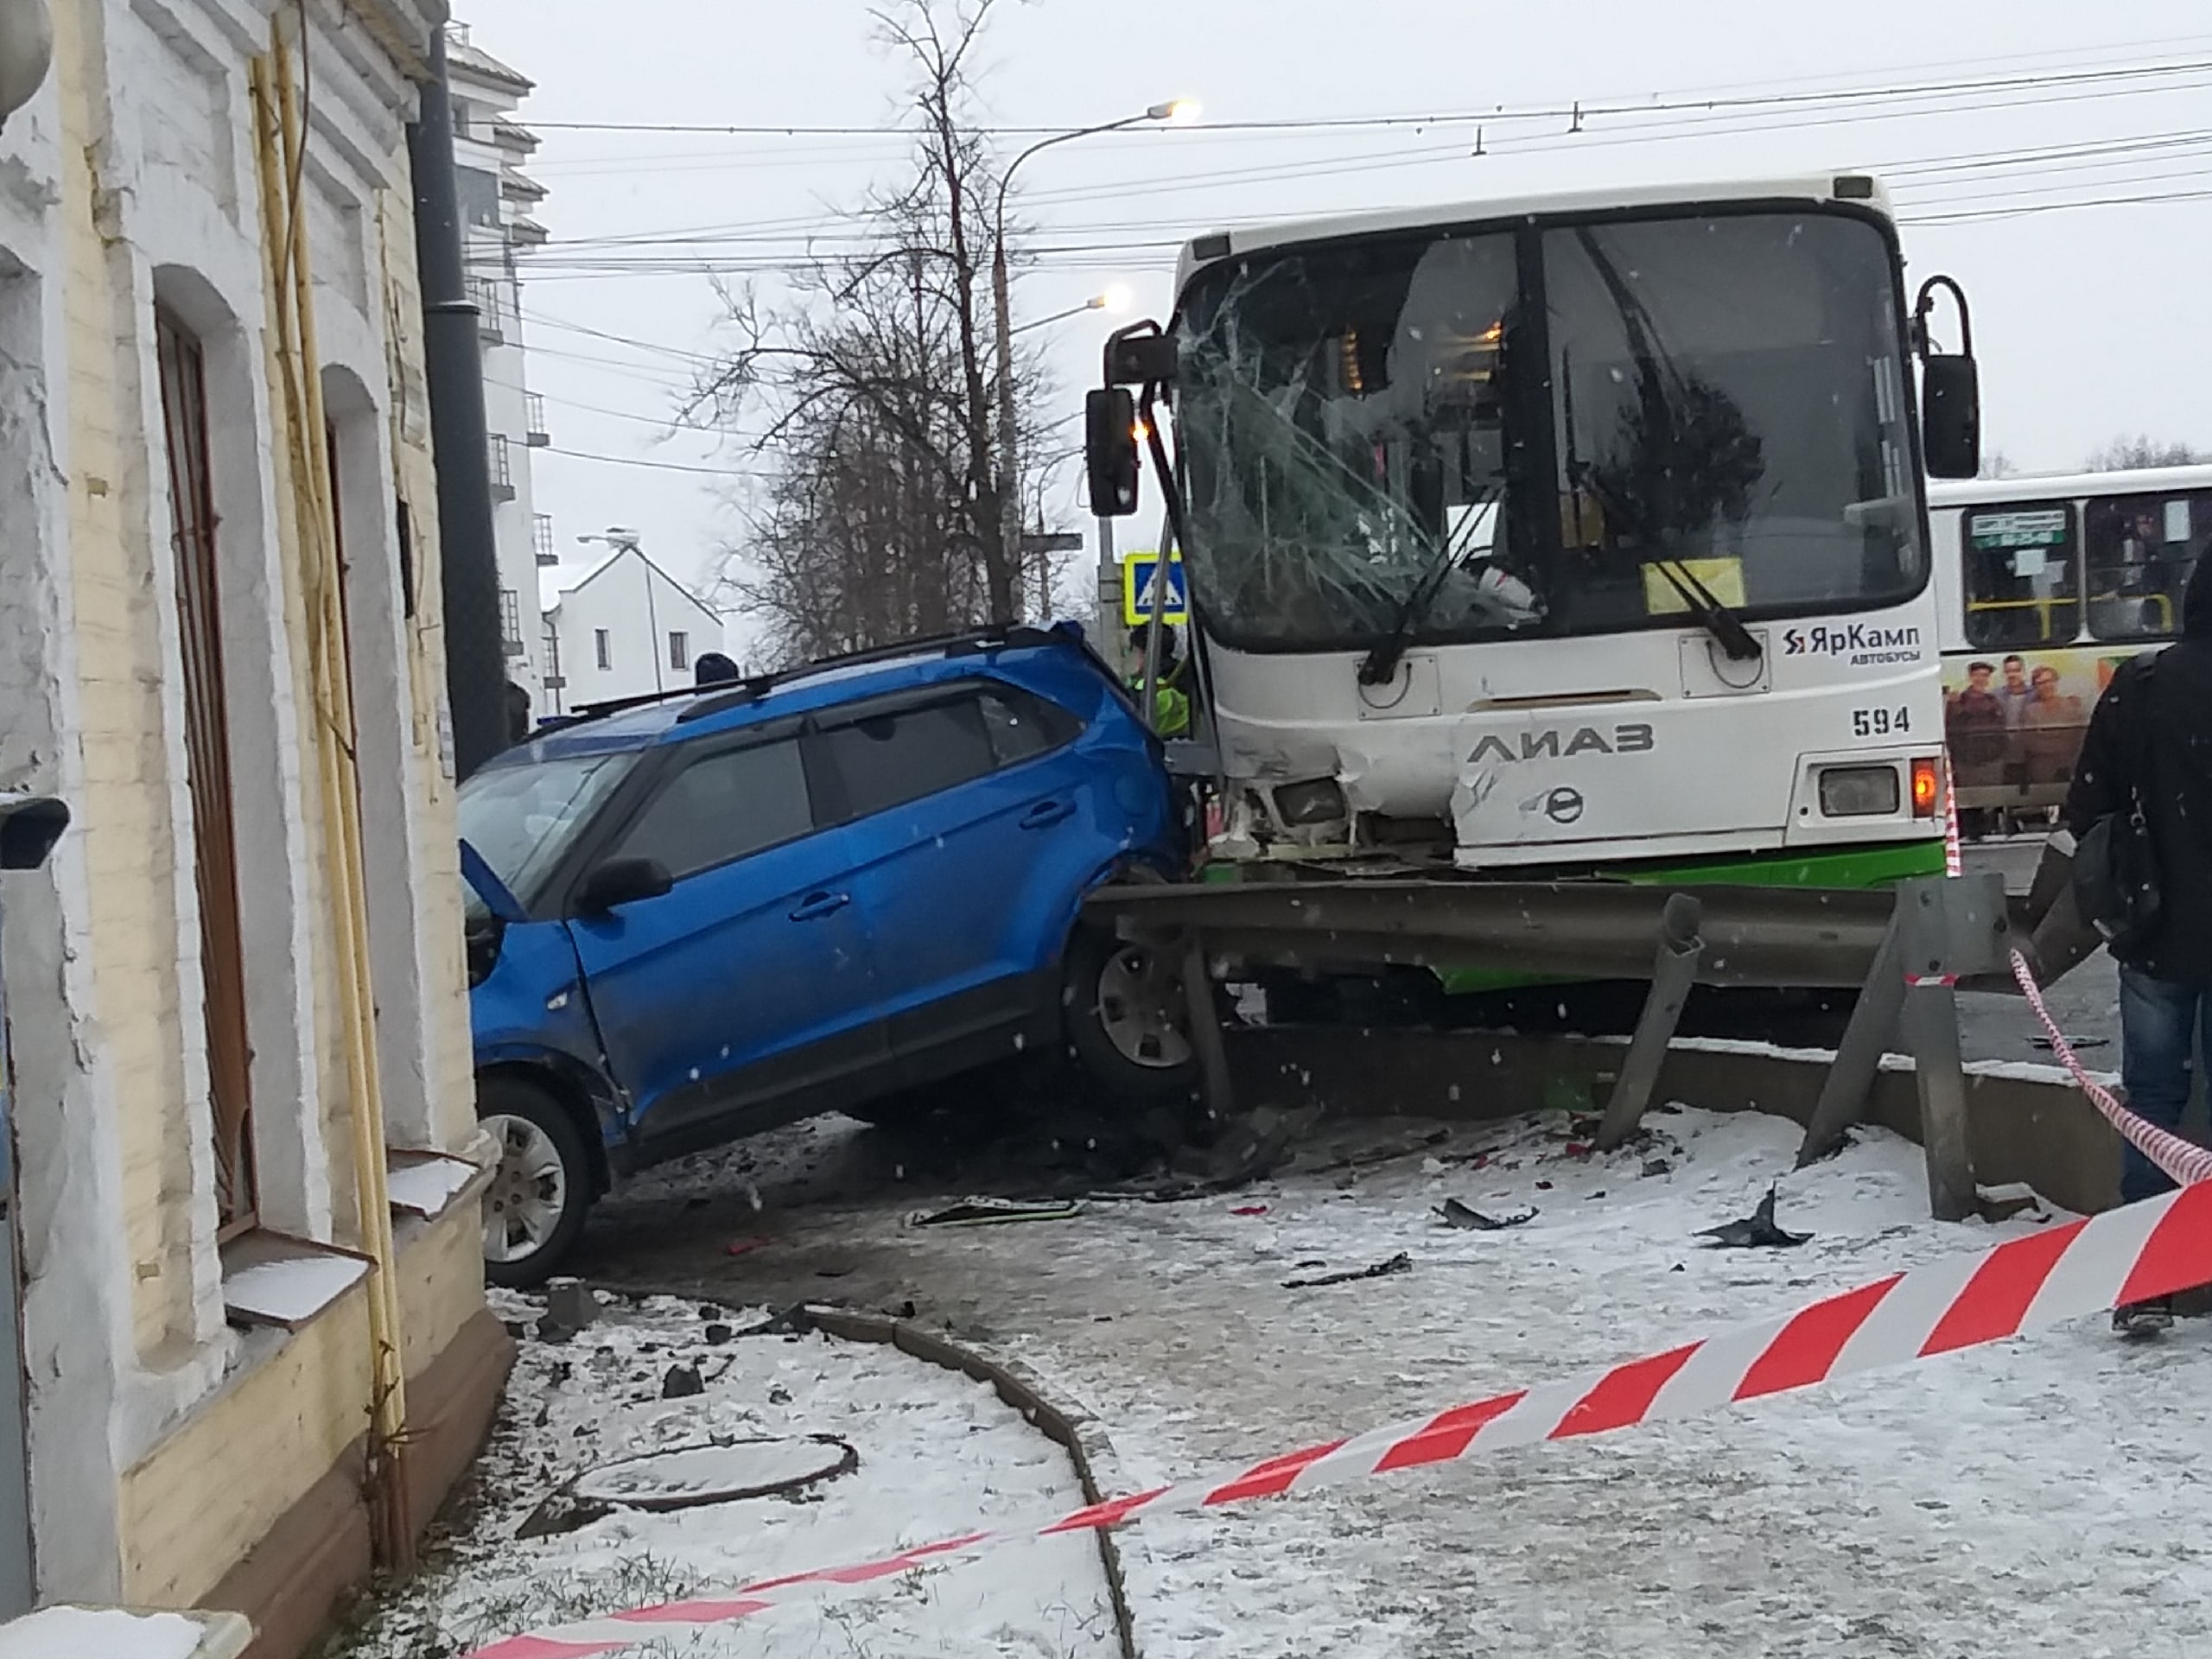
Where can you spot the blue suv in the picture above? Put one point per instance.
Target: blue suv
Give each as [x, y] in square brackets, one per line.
[814, 891]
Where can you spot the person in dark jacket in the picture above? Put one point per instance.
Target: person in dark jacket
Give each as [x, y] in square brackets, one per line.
[2151, 739]
[715, 668]
[518, 714]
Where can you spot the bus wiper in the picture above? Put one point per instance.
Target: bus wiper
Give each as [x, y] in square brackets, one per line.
[1663, 385]
[1740, 644]
[1380, 666]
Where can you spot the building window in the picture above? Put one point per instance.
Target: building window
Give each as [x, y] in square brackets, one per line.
[602, 644]
[541, 537]
[511, 622]
[207, 768]
[555, 680]
[679, 651]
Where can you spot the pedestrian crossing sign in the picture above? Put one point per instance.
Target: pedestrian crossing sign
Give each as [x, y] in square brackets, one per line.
[1138, 572]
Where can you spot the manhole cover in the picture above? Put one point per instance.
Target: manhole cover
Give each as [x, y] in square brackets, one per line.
[691, 1476]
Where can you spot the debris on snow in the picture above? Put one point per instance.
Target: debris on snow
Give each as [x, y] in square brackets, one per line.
[694, 1476]
[1757, 1230]
[933, 1456]
[1456, 1214]
[987, 1213]
[1400, 1262]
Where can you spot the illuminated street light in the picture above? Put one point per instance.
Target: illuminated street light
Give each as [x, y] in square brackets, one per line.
[1179, 111]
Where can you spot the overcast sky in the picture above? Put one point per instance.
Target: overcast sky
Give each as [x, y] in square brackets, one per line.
[2091, 321]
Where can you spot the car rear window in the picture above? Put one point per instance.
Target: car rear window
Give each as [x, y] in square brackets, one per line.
[723, 806]
[893, 759]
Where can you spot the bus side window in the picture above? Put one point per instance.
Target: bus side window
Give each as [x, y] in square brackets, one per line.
[2020, 574]
[2141, 550]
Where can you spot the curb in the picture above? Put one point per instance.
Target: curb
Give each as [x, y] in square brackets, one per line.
[1074, 1432]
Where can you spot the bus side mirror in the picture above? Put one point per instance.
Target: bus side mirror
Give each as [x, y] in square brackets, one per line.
[1950, 389]
[1109, 418]
[1950, 416]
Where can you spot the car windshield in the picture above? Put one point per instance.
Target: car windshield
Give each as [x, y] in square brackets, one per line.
[1574, 430]
[522, 818]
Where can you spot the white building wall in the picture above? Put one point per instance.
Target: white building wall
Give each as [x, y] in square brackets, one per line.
[636, 605]
[129, 180]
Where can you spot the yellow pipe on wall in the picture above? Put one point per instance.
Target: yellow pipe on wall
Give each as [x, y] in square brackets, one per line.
[280, 139]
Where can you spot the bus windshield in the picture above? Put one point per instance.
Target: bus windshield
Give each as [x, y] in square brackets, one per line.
[1452, 436]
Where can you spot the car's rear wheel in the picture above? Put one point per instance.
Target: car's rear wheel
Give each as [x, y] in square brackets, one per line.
[535, 1207]
[1125, 1020]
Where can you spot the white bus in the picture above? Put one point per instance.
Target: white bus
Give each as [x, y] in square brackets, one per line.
[1567, 535]
[2046, 585]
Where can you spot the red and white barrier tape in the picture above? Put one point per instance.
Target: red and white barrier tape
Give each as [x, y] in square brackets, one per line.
[2183, 1162]
[1955, 860]
[2142, 1251]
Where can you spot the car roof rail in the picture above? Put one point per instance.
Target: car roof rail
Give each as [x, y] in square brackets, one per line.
[967, 643]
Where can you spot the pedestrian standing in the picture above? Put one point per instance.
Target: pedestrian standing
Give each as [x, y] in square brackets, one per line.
[2149, 746]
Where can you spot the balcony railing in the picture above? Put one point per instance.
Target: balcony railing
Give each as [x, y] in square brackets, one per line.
[536, 433]
[491, 311]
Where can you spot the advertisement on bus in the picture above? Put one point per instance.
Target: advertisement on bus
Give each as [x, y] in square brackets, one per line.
[2013, 720]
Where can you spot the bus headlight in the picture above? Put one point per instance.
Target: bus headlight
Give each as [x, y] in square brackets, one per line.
[1859, 792]
[1321, 801]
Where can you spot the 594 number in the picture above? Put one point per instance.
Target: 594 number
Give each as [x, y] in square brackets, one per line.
[1881, 723]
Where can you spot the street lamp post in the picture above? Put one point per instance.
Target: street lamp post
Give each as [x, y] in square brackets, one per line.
[1116, 300]
[1002, 306]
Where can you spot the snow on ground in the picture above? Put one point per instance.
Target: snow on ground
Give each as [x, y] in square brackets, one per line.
[938, 1454]
[83, 1633]
[2045, 1496]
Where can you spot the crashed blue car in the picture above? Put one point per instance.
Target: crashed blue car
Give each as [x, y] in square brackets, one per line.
[820, 891]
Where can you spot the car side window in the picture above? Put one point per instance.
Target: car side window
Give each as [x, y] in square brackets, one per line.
[889, 760]
[1023, 727]
[723, 806]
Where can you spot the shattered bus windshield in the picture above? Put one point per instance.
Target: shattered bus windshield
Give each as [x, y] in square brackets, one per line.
[1574, 429]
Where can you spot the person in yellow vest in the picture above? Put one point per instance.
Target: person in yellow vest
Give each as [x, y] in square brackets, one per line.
[1171, 702]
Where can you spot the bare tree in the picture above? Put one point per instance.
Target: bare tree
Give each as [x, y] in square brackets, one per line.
[2130, 454]
[871, 392]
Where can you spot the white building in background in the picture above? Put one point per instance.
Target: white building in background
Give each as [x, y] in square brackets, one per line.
[623, 627]
[497, 202]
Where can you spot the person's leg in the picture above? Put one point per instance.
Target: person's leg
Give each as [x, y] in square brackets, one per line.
[2158, 1025]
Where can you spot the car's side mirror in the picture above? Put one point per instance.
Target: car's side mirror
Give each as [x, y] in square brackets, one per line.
[622, 882]
[1950, 390]
[1109, 417]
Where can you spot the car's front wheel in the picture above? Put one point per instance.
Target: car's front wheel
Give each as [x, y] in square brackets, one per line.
[1125, 1020]
[535, 1207]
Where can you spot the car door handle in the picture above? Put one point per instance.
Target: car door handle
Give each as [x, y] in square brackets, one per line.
[1046, 814]
[815, 905]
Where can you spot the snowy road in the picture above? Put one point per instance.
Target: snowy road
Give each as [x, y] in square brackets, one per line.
[2046, 1497]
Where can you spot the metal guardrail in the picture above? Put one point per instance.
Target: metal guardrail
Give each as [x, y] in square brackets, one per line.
[1774, 937]
[1905, 948]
